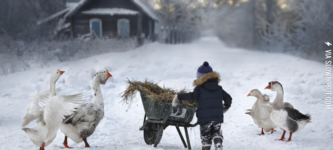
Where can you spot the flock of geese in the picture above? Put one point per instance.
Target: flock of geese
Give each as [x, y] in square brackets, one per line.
[76, 119]
[280, 114]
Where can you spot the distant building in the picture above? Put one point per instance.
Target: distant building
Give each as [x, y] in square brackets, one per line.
[106, 18]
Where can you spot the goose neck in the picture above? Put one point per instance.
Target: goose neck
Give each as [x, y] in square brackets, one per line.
[278, 101]
[98, 97]
[52, 88]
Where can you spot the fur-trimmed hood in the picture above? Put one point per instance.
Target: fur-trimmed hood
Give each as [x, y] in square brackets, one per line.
[206, 77]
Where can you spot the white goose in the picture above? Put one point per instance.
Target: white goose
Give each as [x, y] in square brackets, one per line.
[267, 100]
[287, 118]
[53, 109]
[83, 122]
[260, 112]
[38, 101]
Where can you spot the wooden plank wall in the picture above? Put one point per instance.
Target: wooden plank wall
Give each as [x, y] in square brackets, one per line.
[109, 24]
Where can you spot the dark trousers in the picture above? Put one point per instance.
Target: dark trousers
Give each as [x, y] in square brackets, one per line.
[210, 131]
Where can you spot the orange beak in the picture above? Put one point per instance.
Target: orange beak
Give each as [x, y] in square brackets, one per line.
[249, 94]
[268, 86]
[61, 72]
[109, 75]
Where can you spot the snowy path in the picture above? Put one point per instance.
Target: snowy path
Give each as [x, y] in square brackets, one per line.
[175, 66]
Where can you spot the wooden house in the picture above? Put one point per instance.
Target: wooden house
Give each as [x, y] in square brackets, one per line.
[108, 18]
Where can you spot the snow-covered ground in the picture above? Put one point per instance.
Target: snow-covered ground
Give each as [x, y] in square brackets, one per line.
[176, 66]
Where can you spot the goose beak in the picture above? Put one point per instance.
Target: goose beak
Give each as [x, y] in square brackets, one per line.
[109, 75]
[61, 72]
[249, 94]
[268, 86]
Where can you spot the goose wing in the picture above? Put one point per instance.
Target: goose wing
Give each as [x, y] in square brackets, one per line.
[35, 110]
[87, 115]
[36, 107]
[296, 115]
[59, 106]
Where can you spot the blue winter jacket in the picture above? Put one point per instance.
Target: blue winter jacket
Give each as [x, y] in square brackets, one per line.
[209, 96]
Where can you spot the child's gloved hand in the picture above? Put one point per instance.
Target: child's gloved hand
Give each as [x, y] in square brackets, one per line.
[225, 109]
[175, 101]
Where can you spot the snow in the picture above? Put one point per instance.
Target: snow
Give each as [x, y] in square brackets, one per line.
[110, 11]
[175, 66]
[146, 9]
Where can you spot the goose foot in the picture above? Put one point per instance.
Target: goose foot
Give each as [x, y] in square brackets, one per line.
[282, 137]
[66, 146]
[273, 130]
[42, 147]
[280, 140]
[262, 132]
[289, 139]
[65, 143]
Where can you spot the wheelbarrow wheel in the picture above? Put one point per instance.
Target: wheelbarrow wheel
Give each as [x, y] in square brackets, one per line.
[150, 133]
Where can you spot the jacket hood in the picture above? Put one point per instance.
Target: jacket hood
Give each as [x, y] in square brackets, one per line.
[212, 77]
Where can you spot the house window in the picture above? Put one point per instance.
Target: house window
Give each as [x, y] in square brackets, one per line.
[96, 27]
[123, 28]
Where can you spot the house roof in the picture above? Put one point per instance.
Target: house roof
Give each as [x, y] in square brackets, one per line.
[110, 11]
[58, 14]
[146, 9]
[139, 3]
[70, 11]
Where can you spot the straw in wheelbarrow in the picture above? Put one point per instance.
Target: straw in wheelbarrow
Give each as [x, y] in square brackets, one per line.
[151, 89]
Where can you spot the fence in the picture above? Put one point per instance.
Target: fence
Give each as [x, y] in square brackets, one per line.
[177, 35]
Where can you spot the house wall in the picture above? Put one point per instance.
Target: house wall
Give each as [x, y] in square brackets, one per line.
[81, 24]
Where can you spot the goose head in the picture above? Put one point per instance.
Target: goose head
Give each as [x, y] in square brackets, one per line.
[256, 93]
[56, 75]
[102, 76]
[275, 86]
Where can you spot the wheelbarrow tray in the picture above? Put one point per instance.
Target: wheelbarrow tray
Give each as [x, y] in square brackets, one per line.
[163, 111]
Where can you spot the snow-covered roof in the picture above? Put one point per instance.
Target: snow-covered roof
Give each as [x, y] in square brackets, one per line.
[56, 15]
[140, 4]
[110, 11]
[146, 9]
[75, 8]
[70, 4]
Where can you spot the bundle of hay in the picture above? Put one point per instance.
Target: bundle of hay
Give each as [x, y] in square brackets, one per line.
[154, 91]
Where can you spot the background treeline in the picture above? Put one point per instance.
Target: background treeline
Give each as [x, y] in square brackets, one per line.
[298, 27]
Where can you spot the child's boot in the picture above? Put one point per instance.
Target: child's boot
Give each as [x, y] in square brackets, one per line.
[218, 143]
[206, 147]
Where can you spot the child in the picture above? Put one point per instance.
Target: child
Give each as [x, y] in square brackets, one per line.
[208, 95]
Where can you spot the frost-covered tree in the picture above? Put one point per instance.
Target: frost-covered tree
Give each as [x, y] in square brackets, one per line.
[301, 29]
[18, 17]
[313, 27]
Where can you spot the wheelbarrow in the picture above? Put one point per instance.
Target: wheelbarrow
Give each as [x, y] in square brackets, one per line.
[159, 115]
